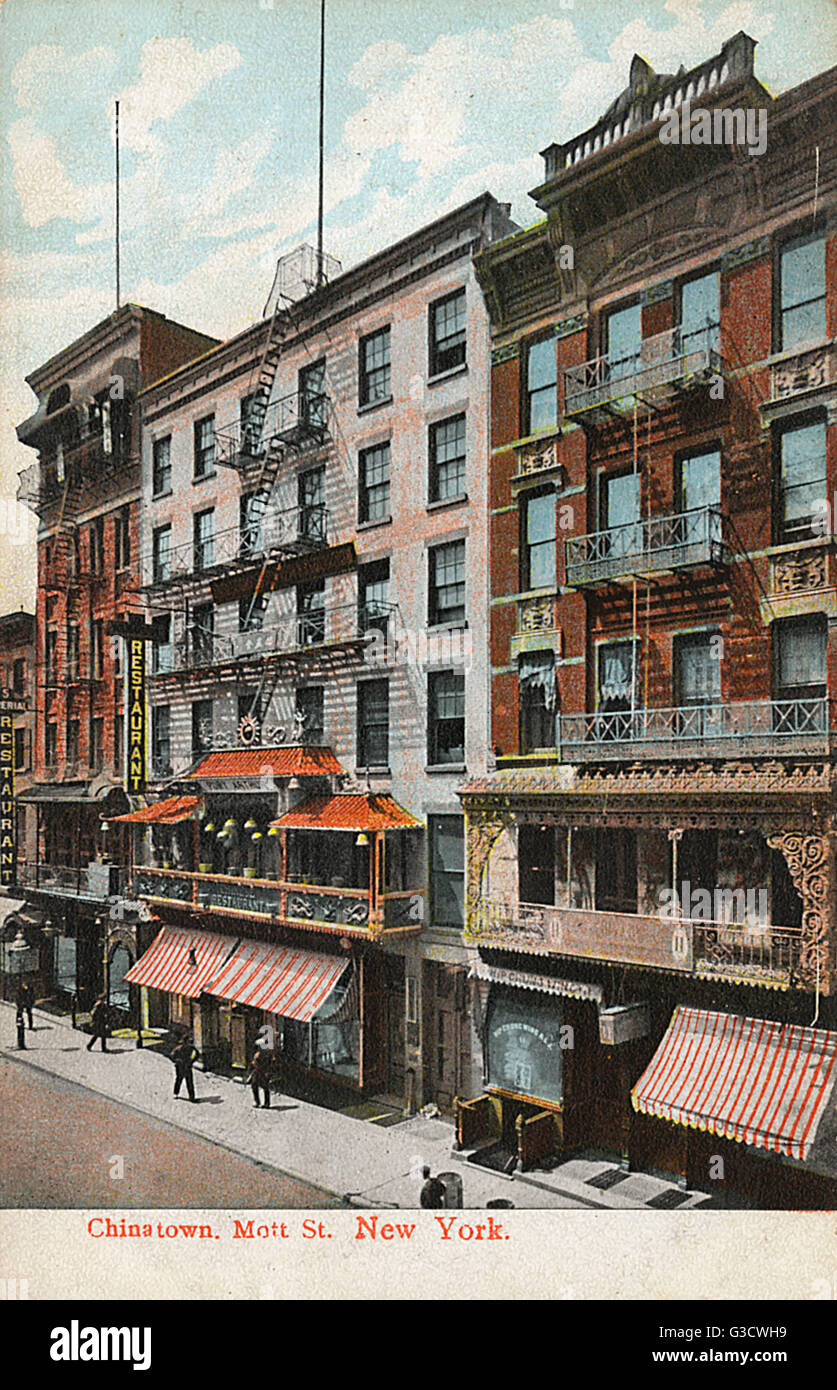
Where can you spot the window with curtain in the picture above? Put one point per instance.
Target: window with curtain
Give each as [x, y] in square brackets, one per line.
[616, 679]
[801, 657]
[698, 670]
[536, 700]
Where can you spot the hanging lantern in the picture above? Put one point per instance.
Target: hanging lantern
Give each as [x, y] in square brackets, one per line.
[209, 828]
[256, 836]
[230, 824]
[251, 824]
[273, 832]
[362, 839]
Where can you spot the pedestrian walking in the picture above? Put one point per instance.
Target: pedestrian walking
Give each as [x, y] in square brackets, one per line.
[433, 1190]
[261, 1069]
[26, 1000]
[20, 1022]
[184, 1056]
[99, 1023]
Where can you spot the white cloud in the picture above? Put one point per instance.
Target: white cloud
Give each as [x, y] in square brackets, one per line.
[172, 73]
[47, 66]
[44, 190]
[234, 172]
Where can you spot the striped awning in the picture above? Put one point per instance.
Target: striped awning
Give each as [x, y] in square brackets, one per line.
[279, 979]
[750, 1079]
[182, 961]
[544, 984]
[170, 812]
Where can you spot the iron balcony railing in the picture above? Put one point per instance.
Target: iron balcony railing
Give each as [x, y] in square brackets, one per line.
[752, 726]
[301, 418]
[661, 363]
[749, 952]
[648, 546]
[341, 624]
[93, 881]
[292, 531]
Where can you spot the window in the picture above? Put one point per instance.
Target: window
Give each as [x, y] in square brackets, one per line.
[374, 370]
[251, 510]
[445, 717]
[97, 650]
[373, 597]
[161, 648]
[19, 675]
[122, 538]
[700, 313]
[309, 714]
[373, 471]
[697, 669]
[541, 388]
[447, 870]
[51, 744]
[802, 291]
[73, 668]
[249, 418]
[204, 446]
[118, 743]
[623, 336]
[50, 650]
[447, 459]
[536, 863]
[251, 613]
[97, 744]
[20, 749]
[447, 333]
[801, 482]
[97, 546]
[619, 505]
[161, 554]
[539, 522]
[161, 466]
[312, 402]
[203, 634]
[72, 740]
[536, 700]
[616, 677]
[202, 727]
[204, 539]
[100, 420]
[800, 658]
[161, 741]
[616, 877]
[446, 587]
[311, 499]
[373, 723]
[699, 489]
[310, 613]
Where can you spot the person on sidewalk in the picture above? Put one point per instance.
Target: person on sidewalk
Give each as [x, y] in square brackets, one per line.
[99, 1023]
[26, 999]
[261, 1069]
[184, 1056]
[433, 1191]
[20, 1023]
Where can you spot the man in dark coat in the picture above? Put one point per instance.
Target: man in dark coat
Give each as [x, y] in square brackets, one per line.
[99, 1023]
[433, 1191]
[261, 1068]
[26, 999]
[183, 1056]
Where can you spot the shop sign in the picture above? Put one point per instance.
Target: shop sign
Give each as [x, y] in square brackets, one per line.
[137, 721]
[8, 820]
[524, 1046]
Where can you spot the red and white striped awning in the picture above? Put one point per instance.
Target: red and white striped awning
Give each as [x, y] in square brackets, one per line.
[182, 961]
[750, 1079]
[279, 979]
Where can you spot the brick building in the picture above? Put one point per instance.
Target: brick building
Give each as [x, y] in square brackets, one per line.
[314, 559]
[17, 719]
[85, 489]
[651, 863]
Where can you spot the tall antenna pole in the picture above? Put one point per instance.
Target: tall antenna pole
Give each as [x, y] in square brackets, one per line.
[320, 275]
[117, 206]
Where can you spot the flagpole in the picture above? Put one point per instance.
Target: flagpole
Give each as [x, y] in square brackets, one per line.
[117, 206]
[320, 275]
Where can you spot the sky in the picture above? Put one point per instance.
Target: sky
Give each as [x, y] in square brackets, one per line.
[428, 104]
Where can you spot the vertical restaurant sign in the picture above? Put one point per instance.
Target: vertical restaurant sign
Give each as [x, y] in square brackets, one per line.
[137, 718]
[8, 819]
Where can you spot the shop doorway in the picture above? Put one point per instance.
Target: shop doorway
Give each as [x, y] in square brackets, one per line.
[447, 1034]
[395, 1008]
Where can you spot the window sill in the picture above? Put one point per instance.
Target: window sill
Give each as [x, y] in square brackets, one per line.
[373, 771]
[158, 496]
[374, 405]
[370, 525]
[434, 768]
[203, 477]
[437, 378]
[447, 502]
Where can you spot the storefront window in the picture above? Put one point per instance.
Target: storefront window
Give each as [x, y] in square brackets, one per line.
[524, 1046]
[331, 1041]
[65, 964]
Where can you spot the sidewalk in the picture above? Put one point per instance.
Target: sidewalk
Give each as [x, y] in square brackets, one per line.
[353, 1159]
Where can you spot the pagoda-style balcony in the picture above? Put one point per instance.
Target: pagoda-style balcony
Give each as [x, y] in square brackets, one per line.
[655, 545]
[300, 420]
[662, 366]
[93, 882]
[293, 531]
[756, 953]
[347, 626]
[320, 907]
[723, 730]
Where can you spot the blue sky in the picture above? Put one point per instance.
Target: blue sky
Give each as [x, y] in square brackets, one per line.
[427, 105]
